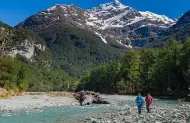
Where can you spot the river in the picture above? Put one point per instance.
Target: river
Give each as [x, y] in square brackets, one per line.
[72, 114]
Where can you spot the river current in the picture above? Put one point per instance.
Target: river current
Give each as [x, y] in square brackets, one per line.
[70, 114]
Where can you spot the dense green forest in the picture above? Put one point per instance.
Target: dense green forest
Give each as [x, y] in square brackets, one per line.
[160, 71]
[19, 76]
[77, 50]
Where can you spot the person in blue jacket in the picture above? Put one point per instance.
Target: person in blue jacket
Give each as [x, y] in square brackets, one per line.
[139, 101]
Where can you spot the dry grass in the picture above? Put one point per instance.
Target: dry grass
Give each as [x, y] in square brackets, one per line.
[5, 97]
[7, 94]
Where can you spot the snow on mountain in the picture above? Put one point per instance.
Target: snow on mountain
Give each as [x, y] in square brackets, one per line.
[63, 6]
[116, 5]
[61, 9]
[109, 15]
[127, 46]
[117, 15]
[113, 18]
[135, 20]
[113, 21]
[119, 20]
[103, 38]
[69, 14]
[51, 8]
[156, 17]
[107, 10]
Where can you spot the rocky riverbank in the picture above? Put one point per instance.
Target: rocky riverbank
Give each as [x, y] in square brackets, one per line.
[122, 109]
[30, 102]
[160, 113]
[125, 111]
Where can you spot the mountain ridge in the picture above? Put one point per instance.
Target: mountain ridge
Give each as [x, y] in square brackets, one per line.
[179, 31]
[110, 20]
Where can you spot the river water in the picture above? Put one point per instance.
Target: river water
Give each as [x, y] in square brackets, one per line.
[71, 114]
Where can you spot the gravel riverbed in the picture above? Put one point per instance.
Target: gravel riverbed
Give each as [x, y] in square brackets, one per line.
[29, 102]
[159, 114]
[162, 111]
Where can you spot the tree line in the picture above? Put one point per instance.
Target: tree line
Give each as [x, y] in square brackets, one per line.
[161, 71]
[19, 76]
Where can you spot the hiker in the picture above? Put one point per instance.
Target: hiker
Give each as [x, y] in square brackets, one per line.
[149, 101]
[139, 101]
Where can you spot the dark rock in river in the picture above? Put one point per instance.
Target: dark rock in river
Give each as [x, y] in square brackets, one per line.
[89, 97]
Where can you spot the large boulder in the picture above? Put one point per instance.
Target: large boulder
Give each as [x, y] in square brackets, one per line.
[89, 97]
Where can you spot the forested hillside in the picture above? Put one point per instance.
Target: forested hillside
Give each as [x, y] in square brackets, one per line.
[26, 63]
[76, 50]
[159, 71]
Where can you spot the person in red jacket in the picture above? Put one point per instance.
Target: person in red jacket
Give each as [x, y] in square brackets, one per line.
[149, 101]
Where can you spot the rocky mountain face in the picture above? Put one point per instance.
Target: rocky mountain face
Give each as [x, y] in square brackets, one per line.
[116, 24]
[127, 25]
[184, 19]
[179, 31]
[22, 43]
[182, 22]
[65, 14]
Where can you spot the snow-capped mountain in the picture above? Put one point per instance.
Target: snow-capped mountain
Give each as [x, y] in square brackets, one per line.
[115, 14]
[110, 21]
[157, 18]
[112, 15]
[127, 25]
[68, 14]
[179, 31]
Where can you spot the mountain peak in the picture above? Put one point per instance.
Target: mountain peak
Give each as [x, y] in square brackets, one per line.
[184, 19]
[117, 2]
[58, 6]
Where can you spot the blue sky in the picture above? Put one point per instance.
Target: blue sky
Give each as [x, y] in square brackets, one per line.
[14, 11]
